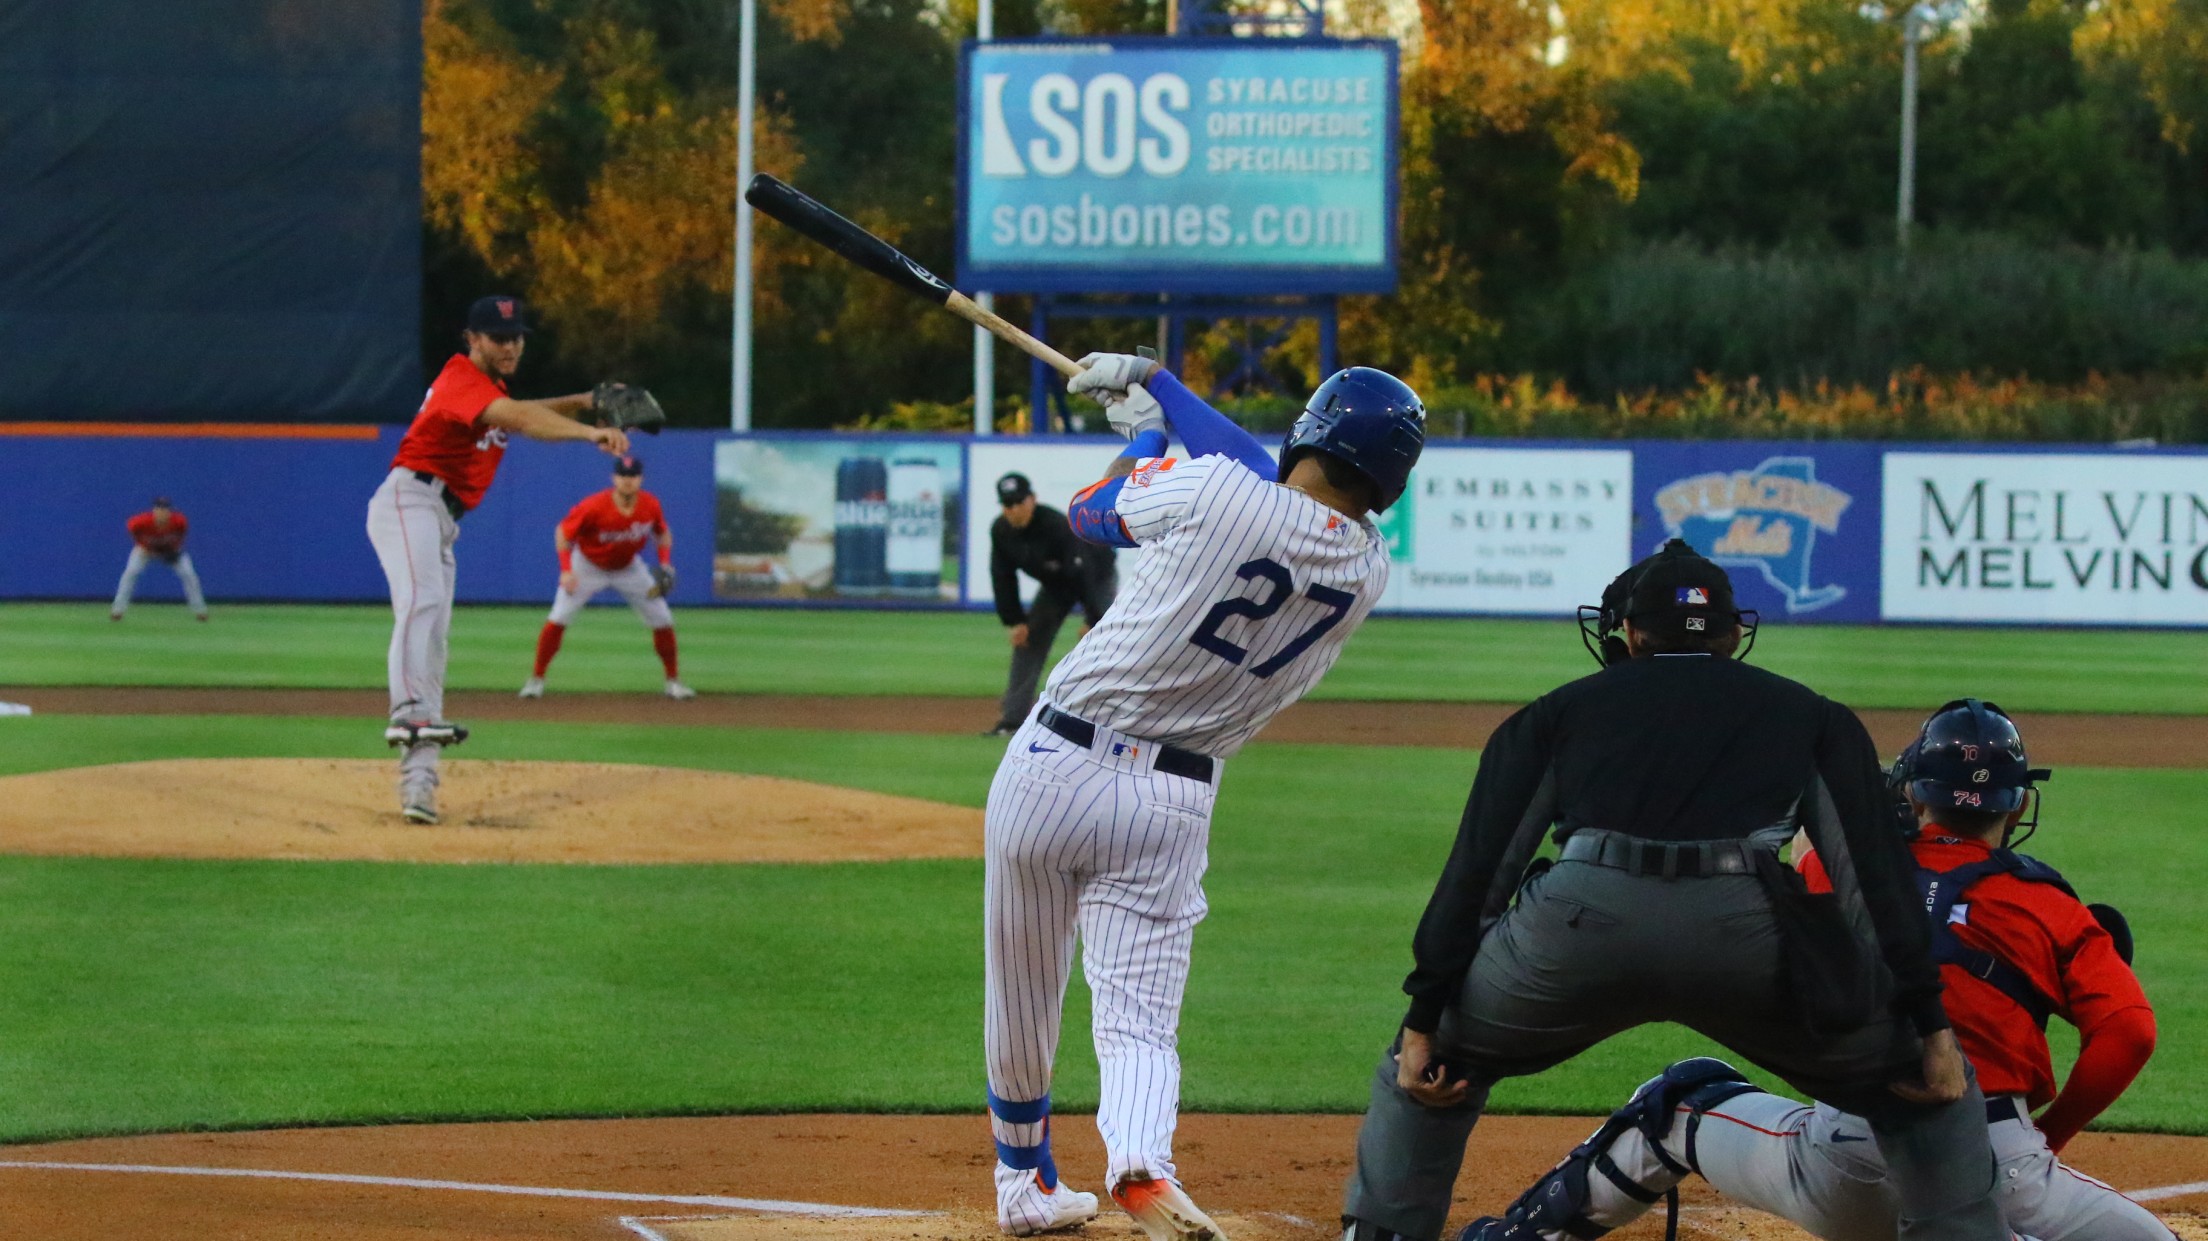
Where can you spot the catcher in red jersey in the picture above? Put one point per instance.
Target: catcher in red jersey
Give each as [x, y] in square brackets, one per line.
[2015, 946]
[444, 465]
[601, 544]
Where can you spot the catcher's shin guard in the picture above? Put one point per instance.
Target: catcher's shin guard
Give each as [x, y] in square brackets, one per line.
[1570, 1202]
[425, 732]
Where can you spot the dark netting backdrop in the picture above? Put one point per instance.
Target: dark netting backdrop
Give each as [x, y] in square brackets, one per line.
[210, 210]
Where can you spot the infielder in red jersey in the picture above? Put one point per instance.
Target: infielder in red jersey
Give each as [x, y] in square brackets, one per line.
[158, 534]
[600, 545]
[444, 465]
[2015, 945]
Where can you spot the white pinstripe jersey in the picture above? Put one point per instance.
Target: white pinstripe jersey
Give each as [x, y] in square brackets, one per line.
[1239, 601]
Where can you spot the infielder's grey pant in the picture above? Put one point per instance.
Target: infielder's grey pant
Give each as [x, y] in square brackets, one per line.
[139, 559]
[413, 536]
[1588, 952]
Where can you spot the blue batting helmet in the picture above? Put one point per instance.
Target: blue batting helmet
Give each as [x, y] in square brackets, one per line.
[1968, 756]
[1368, 419]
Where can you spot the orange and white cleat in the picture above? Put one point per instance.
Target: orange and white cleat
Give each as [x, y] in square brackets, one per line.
[1164, 1212]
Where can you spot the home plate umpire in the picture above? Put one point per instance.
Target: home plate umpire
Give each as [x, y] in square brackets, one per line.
[1673, 777]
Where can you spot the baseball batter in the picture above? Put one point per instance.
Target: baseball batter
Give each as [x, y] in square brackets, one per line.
[158, 534]
[610, 529]
[1249, 582]
[444, 465]
[2015, 945]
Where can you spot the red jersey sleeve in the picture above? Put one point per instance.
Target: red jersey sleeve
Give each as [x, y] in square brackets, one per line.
[577, 519]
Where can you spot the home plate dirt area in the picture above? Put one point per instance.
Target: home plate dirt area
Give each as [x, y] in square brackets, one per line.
[779, 1178]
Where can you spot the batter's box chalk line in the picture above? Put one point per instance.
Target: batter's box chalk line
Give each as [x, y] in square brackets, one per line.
[757, 1205]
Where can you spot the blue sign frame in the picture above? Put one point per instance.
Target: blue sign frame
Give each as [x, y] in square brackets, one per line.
[1225, 278]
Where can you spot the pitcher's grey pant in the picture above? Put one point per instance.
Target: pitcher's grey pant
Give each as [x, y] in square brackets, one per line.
[1589, 951]
[139, 559]
[413, 536]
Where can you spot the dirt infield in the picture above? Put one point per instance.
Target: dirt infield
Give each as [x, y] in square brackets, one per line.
[2057, 740]
[327, 809]
[1277, 1175]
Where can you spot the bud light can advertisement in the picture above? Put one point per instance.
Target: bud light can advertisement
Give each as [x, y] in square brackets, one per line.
[826, 519]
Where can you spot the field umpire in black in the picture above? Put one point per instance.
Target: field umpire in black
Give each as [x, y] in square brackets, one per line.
[1672, 777]
[1038, 540]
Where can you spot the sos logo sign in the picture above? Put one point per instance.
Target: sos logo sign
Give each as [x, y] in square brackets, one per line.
[1106, 127]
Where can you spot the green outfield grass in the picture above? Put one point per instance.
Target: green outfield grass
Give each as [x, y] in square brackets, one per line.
[762, 651]
[149, 995]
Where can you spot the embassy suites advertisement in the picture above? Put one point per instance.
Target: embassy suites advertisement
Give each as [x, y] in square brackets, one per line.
[1177, 165]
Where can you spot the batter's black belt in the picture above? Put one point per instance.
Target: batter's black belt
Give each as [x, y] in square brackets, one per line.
[2003, 1108]
[452, 502]
[1172, 759]
[1693, 859]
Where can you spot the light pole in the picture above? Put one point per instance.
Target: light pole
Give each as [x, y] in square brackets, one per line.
[1913, 24]
[1917, 23]
[747, 86]
[985, 345]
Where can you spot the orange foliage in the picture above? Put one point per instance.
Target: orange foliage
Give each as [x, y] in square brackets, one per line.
[477, 103]
[658, 219]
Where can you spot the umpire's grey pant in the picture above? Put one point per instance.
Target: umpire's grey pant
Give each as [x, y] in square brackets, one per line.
[1589, 951]
[1044, 617]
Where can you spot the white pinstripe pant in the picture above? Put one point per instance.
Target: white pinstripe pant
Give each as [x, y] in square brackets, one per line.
[1092, 841]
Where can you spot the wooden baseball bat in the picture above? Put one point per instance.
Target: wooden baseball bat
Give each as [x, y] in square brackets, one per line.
[784, 202]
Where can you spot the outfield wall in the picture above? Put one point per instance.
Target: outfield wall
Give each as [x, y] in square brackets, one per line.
[1813, 532]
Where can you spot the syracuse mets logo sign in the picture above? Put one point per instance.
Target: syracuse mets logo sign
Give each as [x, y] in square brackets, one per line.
[1766, 518]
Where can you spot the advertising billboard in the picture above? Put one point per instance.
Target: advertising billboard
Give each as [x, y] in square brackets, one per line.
[1795, 525]
[1514, 531]
[1177, 165]
[838, 518]
[1057, 470]
[2046, 538]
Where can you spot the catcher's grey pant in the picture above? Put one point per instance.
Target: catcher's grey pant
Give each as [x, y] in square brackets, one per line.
[634, 583]
[413, 536]
[1044, 617]
[139, 559]
[1816, 1165]
[1589, 951]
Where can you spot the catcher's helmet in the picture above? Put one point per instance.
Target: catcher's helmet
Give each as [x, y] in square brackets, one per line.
[1968, 756]
[1368, 419]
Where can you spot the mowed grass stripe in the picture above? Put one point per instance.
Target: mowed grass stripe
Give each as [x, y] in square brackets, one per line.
[154, 995]
[764, 651]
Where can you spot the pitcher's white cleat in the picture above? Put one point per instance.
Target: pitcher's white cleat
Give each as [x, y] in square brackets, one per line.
[678, 691]
[532, 688]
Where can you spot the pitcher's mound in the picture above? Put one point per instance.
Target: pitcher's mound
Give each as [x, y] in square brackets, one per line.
[493, 812]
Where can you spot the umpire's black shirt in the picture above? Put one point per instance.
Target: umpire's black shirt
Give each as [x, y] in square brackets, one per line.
[1045, 549]
[1674, 748]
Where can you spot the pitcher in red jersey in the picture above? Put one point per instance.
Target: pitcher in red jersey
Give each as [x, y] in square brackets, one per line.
[444, 465]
